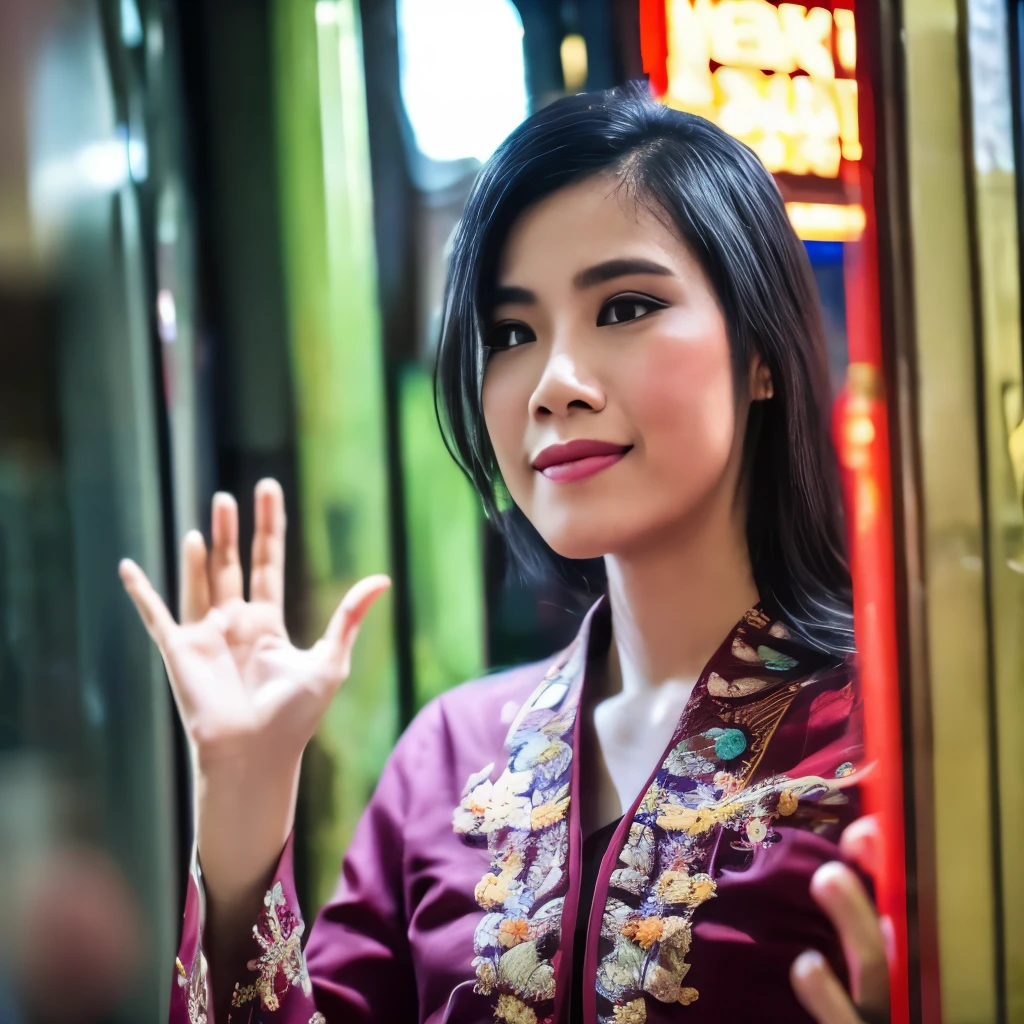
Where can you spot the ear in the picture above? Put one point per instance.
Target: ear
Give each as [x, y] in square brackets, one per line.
[761, 386]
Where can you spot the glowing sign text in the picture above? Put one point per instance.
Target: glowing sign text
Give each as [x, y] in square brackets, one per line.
[784, 82]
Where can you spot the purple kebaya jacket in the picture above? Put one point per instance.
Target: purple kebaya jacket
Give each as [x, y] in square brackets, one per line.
[457, 899]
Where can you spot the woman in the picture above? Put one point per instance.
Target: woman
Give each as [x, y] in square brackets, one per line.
[630, 369]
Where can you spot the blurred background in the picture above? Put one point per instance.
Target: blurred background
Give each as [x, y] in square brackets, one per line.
[222, 245]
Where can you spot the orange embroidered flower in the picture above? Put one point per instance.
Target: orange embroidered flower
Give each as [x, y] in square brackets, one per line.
[629, 929]
[512, 932]
[788, 802]
[688, 996]
[648, 931]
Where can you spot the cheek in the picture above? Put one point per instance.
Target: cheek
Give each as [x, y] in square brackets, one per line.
[684, 403]
[505, 409]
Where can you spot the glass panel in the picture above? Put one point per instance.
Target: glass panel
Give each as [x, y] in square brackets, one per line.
[86, 730]
[334, 340]
[998, 251]
[951, 510]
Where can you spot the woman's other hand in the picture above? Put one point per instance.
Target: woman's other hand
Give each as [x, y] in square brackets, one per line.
[839, 892]
[249, 699]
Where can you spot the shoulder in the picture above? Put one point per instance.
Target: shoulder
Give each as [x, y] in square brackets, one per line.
[463, 729]
[829, 712]
[486, 704]
[497, 696]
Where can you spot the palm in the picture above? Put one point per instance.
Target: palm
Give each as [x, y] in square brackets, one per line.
[236, 676]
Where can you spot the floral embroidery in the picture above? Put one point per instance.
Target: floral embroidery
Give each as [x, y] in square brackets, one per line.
[514, 1011]
[318, 1018]
[746, 686]
[846, 768]
[651, 941]
[631, 1013]
[521, 816]
[772, 659]
[648, 931]
[281, 965]
[756, 618]
[701, 788]
[664, 874]
[195, 982]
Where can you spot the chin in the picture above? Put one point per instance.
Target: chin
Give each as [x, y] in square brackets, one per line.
[579, 540]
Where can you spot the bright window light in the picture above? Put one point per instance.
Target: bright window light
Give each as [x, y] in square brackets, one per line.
[462, 74]
[131, 23]
[326, 12]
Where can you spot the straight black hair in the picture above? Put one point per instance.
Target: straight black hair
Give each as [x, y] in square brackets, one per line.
[727, 208]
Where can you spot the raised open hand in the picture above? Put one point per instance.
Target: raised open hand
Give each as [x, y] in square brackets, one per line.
[243, 690]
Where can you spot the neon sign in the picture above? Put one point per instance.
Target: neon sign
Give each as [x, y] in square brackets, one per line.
[779, 78]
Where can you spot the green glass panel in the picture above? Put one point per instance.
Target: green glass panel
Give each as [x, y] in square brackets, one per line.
[443, 531]
[335, 344]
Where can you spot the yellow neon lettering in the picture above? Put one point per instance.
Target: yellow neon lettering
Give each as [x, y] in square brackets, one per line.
[803, 123]
[689, 74]
[846, 39]
[809, 33]
[746, 34]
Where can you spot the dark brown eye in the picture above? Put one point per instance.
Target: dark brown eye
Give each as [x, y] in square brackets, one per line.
[510, 335]
[626, 308]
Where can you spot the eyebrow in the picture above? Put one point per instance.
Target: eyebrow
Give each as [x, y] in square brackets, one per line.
[611, 269]
[600, 273]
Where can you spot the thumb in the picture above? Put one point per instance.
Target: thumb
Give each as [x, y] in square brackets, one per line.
[343, 628]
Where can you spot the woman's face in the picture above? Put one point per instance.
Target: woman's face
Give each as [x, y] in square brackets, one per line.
[606, 330]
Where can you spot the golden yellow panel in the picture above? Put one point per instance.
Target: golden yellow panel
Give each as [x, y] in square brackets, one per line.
[952, 512]
[998, 304]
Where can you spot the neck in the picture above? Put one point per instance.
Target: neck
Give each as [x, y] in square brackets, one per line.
[674, 601]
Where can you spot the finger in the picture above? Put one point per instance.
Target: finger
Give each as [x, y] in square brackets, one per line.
[839, 892]
[266, 579]
[225, 568]
[195, 583]
[888, 937]
[820, 992]
[148, 603]
[345, 622]
[861, 842]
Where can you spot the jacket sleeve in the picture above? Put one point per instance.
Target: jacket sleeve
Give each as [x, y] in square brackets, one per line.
[357, 965]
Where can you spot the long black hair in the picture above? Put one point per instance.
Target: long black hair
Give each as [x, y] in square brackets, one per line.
[728, 210]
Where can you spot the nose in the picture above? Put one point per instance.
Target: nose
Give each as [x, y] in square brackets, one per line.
[565, 384]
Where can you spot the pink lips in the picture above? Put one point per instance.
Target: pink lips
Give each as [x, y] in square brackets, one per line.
[564, 463]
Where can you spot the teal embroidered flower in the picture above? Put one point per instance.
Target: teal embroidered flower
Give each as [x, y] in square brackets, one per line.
[775, 660]
[730, 744]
